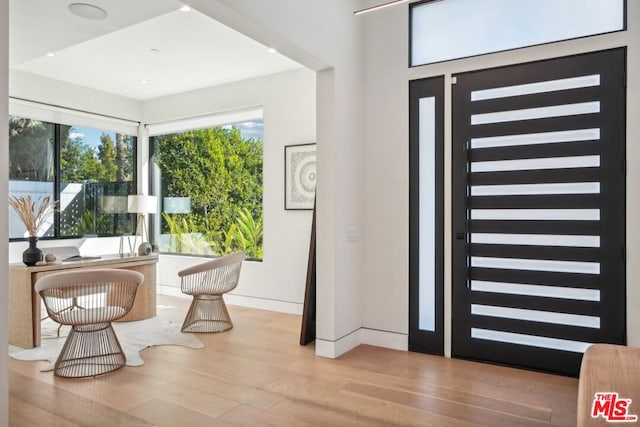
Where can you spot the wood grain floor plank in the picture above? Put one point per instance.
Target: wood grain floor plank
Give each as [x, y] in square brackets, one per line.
[333, 395]
[243, 415]
[66, 405]
[165, 414]
[446, 407]
[99, 390]
[319, 416]
[24, 414]
[186, 397]
[203, 380]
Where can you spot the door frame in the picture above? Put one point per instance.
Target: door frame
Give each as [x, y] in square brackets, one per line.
[420, 340]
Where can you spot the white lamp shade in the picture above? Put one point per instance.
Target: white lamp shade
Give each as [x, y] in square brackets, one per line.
[139, 203]
[177, 205]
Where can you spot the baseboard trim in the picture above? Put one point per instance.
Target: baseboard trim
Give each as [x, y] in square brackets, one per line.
[334, 349]
[386, 339]
[324, 348]
[264, 304]
[243, 301]
[170, 291]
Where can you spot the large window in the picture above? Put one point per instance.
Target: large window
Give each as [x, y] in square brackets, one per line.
[210, 183]
[89, 172]
[451, 29]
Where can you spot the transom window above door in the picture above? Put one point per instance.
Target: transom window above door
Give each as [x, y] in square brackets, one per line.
[452, 29]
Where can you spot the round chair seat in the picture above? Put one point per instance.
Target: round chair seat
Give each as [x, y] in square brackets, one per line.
[89, 315]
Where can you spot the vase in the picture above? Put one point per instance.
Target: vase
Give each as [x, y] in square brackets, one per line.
[32, 254]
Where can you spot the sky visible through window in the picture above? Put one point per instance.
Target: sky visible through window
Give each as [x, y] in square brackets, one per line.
[91, 136]
[250, 130]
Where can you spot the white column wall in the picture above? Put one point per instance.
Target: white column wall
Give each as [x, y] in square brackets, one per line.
[4, 220]
[323, 35]
[289, 106]
[386, 180]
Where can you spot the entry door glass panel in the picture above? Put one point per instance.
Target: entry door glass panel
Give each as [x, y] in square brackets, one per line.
[539, 211]
[427, 277]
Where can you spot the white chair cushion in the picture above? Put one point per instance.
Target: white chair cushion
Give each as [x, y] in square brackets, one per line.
[90, 315]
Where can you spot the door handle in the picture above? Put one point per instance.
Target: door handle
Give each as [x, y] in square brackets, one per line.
[460, 235]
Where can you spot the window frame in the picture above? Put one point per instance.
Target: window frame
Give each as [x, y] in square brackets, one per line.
[188, 124]
[57, 150]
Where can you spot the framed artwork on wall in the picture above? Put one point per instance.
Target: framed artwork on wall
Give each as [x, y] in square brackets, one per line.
[299, 176]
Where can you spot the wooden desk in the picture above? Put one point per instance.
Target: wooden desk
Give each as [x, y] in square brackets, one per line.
[608, 368]
[24, 302]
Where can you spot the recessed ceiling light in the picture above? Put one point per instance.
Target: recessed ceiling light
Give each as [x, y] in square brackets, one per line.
[88, 11]
[144, 82]
[185, 8]
[51, 54]
[272, 50]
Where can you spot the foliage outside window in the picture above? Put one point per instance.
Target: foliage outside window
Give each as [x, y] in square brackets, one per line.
[210, 182]
[88, 171]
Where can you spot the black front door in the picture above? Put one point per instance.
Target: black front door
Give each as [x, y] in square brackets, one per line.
[538, 203]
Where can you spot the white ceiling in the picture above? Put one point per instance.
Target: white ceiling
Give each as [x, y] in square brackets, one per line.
[114, 55]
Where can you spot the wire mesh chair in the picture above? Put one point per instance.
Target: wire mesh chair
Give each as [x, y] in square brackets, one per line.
[88, 301]
[207, 282]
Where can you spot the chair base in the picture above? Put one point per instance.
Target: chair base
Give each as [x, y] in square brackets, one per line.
[90, 350]
[207, 313]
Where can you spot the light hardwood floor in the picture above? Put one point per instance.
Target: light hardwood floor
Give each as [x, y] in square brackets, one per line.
[257, 374]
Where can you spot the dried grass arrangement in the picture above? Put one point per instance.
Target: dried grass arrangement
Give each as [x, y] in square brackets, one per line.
[32, 213]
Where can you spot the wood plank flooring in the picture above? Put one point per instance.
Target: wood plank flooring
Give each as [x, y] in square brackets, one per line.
[256, 374]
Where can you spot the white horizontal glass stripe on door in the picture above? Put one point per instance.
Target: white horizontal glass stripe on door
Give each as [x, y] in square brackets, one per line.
[569, 162]
[561, 292]
[531, 189]
[536, 239]
[536, 138]
[530, 340]
[580, 267]
[536, 316]
[538, 87]
[536, 113]
[427, 276]
[536, 214]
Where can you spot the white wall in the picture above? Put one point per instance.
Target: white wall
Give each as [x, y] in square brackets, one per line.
[289, 107]
[4, 220]
[385, 279]
[48, 91]
[323, 35]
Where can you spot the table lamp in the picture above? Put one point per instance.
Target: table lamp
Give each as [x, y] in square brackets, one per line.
[114, 205]
[142, 205]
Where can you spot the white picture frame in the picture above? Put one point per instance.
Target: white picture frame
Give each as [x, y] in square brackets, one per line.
[299, 176]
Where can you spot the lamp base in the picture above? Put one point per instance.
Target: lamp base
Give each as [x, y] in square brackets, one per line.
[144, 248]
